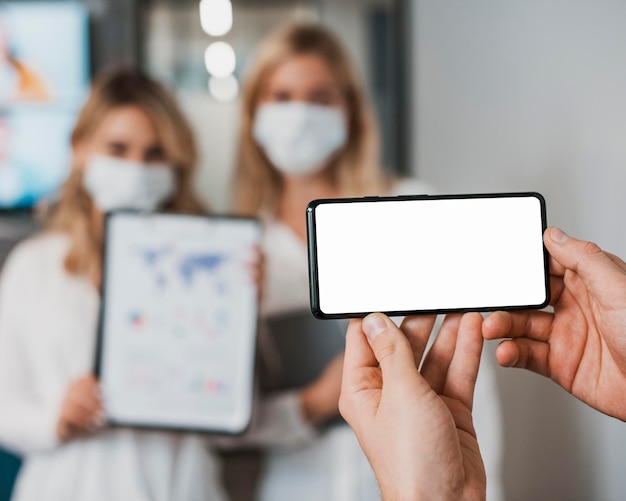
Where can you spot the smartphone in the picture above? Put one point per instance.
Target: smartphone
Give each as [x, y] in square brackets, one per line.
[423, 254]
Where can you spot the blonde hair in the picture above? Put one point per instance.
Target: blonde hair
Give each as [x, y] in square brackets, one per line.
[356, 169]
[73, 212]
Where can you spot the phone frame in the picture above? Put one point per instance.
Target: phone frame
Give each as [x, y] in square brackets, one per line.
[313, 262]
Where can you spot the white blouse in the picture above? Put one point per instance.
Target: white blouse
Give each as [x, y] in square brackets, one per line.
[48, 325]
[47, 339]
[333, 467]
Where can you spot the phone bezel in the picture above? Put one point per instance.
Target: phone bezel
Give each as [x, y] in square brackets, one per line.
[312, 253]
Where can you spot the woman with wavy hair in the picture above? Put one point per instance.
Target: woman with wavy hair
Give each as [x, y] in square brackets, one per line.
[307, 132]
[131, 148]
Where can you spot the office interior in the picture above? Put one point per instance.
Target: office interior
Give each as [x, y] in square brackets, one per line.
[471, 97]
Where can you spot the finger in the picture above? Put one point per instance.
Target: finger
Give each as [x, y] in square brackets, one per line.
[87, 385]
[80, 418]
[255, 275]
[525, 354]
[87, 399]
[556, 288]
[435, 366]
[76, 432]
[68, 432]
[417, 330]
[595, 267]
[361, 372]
[256, 280]
[621, 264]
[84, 407]
[254, 261]
[531, 324]
[391, 349]
[463, 370]
[556, 268]
[358, 352]
[63, 430]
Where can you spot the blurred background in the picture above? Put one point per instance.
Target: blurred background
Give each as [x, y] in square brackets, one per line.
[471, 96]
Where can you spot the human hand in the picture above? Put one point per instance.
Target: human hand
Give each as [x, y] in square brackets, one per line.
[82, 409]
[256, 266]
[582, 344]
[320, 399]
[416, 427]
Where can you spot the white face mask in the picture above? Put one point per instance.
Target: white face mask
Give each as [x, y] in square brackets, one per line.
[122, 184]
[299, 138]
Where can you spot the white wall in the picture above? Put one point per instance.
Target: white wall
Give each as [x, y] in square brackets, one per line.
[531, 95]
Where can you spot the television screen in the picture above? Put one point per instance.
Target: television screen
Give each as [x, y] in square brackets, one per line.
[44, 78]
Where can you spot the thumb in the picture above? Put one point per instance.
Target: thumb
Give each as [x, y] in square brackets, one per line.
[391, 349]
[595, 267]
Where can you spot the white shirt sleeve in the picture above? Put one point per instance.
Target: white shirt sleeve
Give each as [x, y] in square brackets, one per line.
[27, 422]
[411, 186]
[280, 422]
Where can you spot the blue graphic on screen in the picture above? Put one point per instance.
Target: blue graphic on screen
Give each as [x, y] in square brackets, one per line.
[191, 265]
[187, 267]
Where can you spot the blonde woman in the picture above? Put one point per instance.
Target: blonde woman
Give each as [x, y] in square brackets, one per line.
[307, 131]
[131, 148]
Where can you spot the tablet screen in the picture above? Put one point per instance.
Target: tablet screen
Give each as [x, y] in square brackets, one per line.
[178, 321]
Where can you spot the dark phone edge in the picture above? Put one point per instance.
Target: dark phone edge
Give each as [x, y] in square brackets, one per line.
[312, 246]
[311, 239]
[99, 351]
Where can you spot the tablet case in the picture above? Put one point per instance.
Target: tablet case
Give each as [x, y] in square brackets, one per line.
[304, 345]
[187, 269]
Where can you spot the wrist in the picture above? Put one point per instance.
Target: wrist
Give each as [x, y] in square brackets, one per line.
[429, 495]
[418, 494]
[399, 490]
[312, 405]
[426, 489]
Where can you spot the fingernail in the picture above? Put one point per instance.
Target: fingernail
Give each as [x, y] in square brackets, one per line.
[373, 325]
[559, 236]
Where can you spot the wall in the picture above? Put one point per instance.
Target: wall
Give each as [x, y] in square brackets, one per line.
[174, 49]
[532, 96]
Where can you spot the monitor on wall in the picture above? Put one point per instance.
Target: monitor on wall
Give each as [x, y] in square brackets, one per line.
[44, 79]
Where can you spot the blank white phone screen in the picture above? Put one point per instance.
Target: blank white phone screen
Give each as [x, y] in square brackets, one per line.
[435, 254]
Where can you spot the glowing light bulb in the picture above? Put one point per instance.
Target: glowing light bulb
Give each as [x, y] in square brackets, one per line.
[219, 59]
[216, 16]
[224, 89]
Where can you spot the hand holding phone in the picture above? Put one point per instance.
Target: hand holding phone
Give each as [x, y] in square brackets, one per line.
[427, 254]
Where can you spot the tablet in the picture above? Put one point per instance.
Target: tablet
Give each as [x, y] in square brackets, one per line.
[303, 346]
[178, 321]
